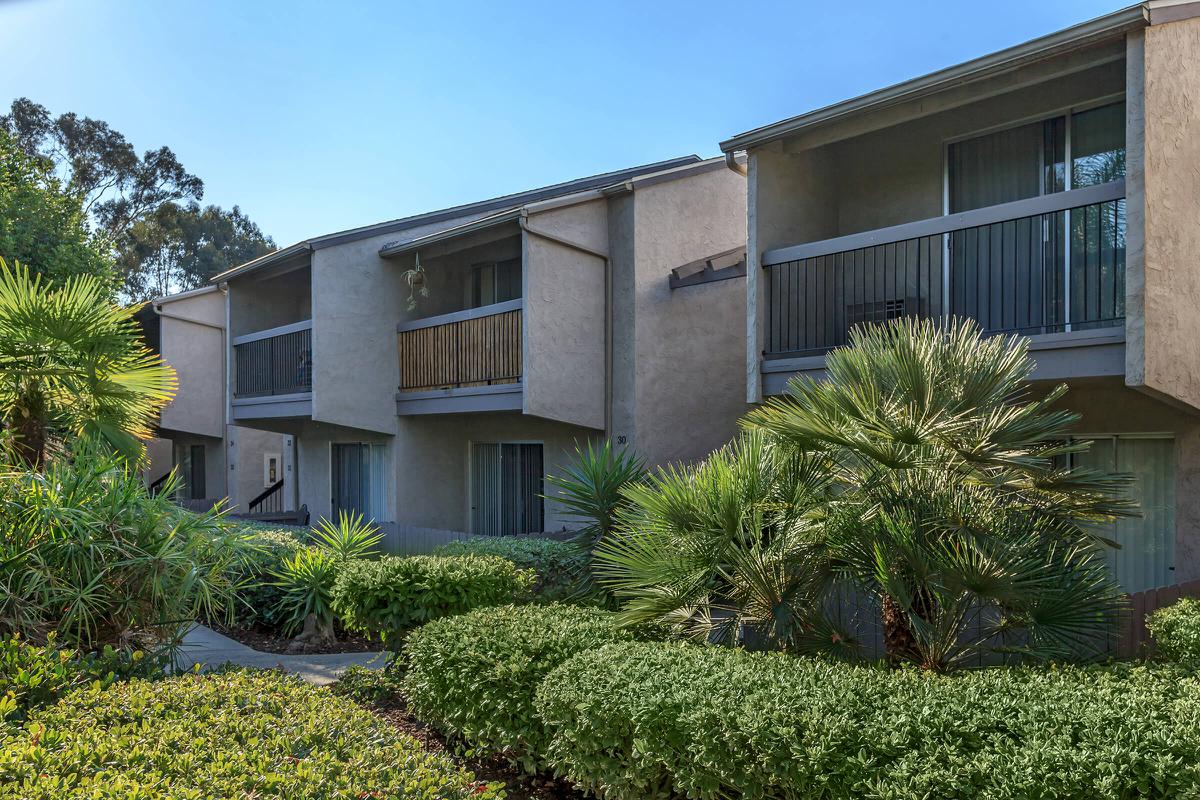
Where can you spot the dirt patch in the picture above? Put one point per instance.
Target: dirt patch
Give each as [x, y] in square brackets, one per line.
[518, 786]
[270, 641]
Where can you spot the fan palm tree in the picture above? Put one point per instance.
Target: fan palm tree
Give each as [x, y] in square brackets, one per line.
[72, 362]
[965, 530]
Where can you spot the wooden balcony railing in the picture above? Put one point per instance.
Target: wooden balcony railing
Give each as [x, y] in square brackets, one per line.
[274, 362]
[1049, 264]
[478, 347]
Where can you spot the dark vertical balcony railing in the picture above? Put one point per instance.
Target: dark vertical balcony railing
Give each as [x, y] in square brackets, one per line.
[269, 364]
[1059, 268]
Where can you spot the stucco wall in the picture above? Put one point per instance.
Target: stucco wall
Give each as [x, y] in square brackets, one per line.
[1170, 279]
[313, 464]
[258, 302]
[196, 350]
[357, 297]
[246, 447]
[1107, 407]
[689, 343]
[564, 349]
[433, 463]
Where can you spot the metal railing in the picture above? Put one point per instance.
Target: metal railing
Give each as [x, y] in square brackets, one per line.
[274, 362]
[270, 500]
[1051, 264]
[478, 347]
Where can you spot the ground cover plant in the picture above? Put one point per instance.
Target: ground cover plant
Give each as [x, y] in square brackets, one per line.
[475, 676]
[237, 734]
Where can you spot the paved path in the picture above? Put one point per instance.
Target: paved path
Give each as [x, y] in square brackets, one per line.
[210, 649]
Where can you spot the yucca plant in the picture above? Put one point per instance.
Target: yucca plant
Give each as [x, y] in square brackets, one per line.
[72, 362]
[306, 578]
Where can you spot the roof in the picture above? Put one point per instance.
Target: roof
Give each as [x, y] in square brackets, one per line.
[431, 222]
[422, 238]
[1101, 28]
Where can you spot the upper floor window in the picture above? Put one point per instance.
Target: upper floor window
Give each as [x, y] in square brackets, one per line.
[1030, 160]
[495, 282]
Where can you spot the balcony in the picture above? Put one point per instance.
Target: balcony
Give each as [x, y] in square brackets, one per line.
[1051, 267]
[273, 372]
[463, 361]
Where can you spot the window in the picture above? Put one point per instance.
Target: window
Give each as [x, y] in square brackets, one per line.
[358, 473]
[495, 282]
[506, 488]
[1030, 160]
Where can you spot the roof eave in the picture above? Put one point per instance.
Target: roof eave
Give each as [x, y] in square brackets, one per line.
[996, 63]
[392, 250]
[263, 261]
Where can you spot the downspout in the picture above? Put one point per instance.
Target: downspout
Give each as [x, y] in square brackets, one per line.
[523, 220]
[732, 162]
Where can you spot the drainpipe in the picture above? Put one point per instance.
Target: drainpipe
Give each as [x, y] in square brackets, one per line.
[523, 220]
[732, 162]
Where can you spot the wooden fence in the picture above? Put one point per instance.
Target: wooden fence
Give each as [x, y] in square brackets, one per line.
[1132, 637]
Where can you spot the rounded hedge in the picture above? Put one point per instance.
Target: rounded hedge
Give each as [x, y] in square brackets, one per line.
[657, 720]
[238, 734]
[390, 596]
[475, 676]
[558, 565]
[1176, 631]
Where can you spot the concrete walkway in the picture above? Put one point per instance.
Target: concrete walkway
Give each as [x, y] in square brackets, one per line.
[210, 649]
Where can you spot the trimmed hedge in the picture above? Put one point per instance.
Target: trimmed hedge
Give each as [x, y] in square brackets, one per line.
[1176, 631]
[559, 565]
[238, 734]
[475, 676]
[392, 595]
[655, 720]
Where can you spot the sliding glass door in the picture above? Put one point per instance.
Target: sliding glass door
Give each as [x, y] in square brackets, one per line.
[359, 479]
[506, 488]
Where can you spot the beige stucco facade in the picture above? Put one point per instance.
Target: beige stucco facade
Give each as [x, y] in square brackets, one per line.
[607, 348]
[883, 160]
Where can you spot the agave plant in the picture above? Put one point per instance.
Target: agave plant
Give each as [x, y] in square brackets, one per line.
[72, 362]
[306, 577]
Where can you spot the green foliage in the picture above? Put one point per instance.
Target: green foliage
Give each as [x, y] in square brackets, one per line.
[591, 488]
[31, 677]
[559, 565]
[1176, 631]
[86, 552]
[259, 597]
[42, 225]
[391, 596]
[475, 676]
[652, 721]
[920, 476]
[375, 687]
[306, 577]
[236, 734]
[73, 363]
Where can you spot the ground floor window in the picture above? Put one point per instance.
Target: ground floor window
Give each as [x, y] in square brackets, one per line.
[506, 488]
[1146, 558]
[359, 479]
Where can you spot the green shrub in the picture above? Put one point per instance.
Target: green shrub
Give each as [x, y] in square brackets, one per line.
[371, 686]
[391, 596]
[475, 676]
[559, 565]
[237, 734]
[1176, 631]
[259, 599]
[87, 552]
[32, 676]
[653, 720]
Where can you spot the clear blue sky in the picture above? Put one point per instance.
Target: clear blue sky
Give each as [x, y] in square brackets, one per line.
[315, 117]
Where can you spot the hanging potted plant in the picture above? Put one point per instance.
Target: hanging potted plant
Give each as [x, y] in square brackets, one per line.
[415, 278]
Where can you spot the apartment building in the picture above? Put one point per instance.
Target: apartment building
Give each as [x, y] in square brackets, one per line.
[1050, 189]
[433, 370]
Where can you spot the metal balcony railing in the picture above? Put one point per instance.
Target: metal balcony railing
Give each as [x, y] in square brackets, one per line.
[274, 362]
